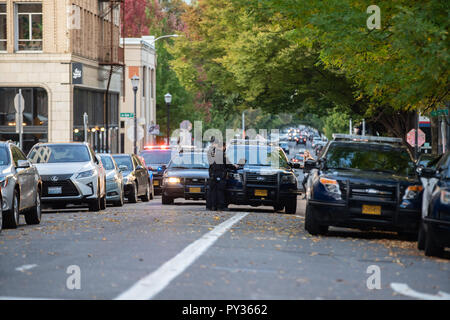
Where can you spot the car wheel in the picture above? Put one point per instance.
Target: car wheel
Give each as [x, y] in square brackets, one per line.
[311, 224]
[291, 206]
[11, 218]
[166, 200]
[103, 203]
[146, 197]
[133, 198]
[152, 195]
[432, 249]
[35, 214]
[421, 237]
[1, 215]
[119, 203]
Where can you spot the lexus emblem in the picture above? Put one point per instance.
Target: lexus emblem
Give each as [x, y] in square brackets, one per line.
[54, 178]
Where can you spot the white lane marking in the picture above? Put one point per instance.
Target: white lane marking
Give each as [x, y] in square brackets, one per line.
[404, 289]
[154, 283]
[26, 267]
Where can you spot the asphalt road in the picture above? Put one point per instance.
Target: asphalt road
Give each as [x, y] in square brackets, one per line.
[264, 255]
[182, 251]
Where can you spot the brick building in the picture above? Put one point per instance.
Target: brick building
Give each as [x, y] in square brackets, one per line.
[65, 58]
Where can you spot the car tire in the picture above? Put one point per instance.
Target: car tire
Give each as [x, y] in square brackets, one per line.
[152, 195]
[311, 224]
[133, 198]
[432, 249]
[103, 203]
[421, 237]
[291, 206]
[33, 216]
[146, 196]
[119, 203]
[1, 215]
[11, 218]
[166, 200]
[95, 205]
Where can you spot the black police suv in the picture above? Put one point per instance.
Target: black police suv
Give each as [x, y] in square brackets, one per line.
[363, 182]
[157, 158]
[434, 232]
[265, 177]
[186, 177]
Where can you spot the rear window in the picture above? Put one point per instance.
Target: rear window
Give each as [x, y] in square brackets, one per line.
[157, 156]
[59, 154]
[124, 161]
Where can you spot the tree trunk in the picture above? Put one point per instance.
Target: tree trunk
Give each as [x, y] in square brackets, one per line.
[434, 135]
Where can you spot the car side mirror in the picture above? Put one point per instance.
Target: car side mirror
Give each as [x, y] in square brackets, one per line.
[427, 172]
[140, 168]
[295, 165]
[23, 164]
[310, 165]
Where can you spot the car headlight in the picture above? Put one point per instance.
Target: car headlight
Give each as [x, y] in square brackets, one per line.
[331, 185]
[288, 179]
[236, 176]
[86, 174]
[412, 192]
[172, 180]
[445, 197]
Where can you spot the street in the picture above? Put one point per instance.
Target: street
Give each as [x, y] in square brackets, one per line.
[263, 256]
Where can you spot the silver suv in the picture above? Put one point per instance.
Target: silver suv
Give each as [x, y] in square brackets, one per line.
[71, 174]
[20, 185]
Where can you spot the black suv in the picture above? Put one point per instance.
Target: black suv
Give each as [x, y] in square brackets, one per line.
[363, 182]
[265, 177]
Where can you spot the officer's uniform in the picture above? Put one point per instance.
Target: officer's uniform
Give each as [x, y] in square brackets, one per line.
[215, 199]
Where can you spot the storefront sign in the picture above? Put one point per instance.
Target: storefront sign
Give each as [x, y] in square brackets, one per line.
[77, 73]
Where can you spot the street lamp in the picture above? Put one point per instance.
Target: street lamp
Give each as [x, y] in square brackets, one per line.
[135, 84]
[168, 99]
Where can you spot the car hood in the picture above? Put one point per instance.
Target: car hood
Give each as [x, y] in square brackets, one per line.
[62, 168]
[263, 170]
[188, 173]
[372, 176]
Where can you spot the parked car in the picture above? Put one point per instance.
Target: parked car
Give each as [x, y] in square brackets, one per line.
[21, 187]
[157, 158]
[115, 192]
[71, 174]
[135, 176]
[186, 177]
[427, 160]
[299, 158]
[363, 183]
[264, 177]
[434, 232]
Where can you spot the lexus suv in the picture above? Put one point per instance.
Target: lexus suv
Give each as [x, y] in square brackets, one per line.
[363, 182]
[71, 174]
[265, 177]
[20, 185]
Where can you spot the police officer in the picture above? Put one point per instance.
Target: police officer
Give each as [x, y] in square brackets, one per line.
[218, 165]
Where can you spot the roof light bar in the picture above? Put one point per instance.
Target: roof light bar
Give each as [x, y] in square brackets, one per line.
[351, 137]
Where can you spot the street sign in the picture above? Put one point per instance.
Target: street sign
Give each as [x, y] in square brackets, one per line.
[411, 138]
[440, 112]
[127, 115]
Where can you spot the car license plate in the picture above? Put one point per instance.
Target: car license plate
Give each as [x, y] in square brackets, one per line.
[54, 190]
[195, 190]
[374, 210]
[156, 182]
[261, 193]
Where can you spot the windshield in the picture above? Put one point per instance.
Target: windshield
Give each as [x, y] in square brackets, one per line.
[107, 162]
[369, 158]
[124, 161]
[257, 155]
[157, 156]
[189, 161]
[59, 154]
[4, 156]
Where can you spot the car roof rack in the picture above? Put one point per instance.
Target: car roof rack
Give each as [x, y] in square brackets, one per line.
[353, 137]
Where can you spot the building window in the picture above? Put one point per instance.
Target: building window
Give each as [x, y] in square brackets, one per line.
[29, 23]
[144, 81]
[3, 30]
[152, 81]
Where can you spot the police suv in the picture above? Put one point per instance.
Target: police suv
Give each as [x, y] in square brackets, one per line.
[264, 177]
[363, 182]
